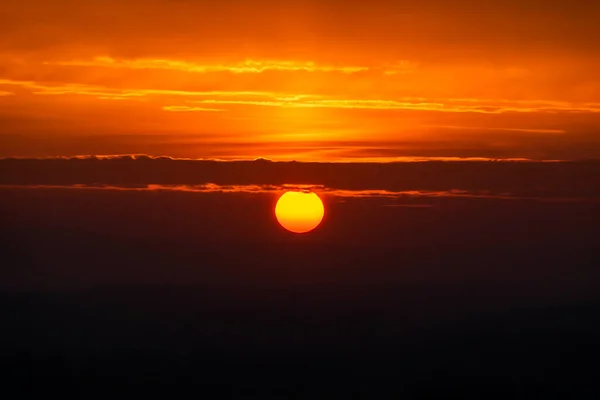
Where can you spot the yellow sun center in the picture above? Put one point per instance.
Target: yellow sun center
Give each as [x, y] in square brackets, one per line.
[299, 212]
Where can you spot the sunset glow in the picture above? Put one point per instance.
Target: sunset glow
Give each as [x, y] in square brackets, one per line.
[304, 80]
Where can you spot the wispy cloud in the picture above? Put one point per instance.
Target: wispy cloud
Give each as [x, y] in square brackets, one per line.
[71, 88]
[104, 92]
[3, 93]
[307, 100]
[242, 67]
[320, 189]
[190, 109]
[486, 128]
[331, 103]
[483, 106]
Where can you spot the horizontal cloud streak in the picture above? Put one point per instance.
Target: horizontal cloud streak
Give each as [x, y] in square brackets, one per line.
[487, 128]
[529, 180]
[247, 66]
[444, 105]
[321, 190]
[189, 109]
[304, 100]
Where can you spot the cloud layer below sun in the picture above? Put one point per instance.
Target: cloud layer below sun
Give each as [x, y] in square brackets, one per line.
[547, 181]
[302, 80]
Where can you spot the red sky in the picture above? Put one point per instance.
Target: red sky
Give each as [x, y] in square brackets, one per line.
[305, 80]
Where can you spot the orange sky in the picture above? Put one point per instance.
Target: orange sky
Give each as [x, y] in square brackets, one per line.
[305, 80]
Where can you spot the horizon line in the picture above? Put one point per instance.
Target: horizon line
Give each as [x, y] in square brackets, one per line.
[358, 160]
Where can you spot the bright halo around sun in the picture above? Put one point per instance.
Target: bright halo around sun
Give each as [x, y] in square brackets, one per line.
[299, 211]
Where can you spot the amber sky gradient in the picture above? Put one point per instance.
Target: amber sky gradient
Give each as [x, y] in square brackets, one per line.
[306, 80]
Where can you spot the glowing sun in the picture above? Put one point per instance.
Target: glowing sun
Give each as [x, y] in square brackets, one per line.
[299, 212]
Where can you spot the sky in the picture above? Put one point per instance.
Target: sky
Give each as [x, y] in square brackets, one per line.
[304, 80]
[131, 250]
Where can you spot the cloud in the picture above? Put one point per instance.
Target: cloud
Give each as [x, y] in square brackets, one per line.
[246, 66]
[431, 179]
[304, 100]
[414, 195]
[487, 128]
[484, 106]
[189, 109]
[99, 91]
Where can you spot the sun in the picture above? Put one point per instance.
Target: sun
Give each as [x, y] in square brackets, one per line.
[299, 211]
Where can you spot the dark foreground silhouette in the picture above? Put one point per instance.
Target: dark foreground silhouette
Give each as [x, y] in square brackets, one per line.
[164, 294]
